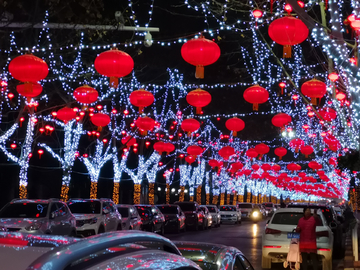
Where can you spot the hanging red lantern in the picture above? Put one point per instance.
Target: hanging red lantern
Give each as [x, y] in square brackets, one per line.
[333, 161]
[236, 166]
[251, 153]
[36, 90]
[141, 98]
[190, 125]
[282, 86]
[66, 114]
[266, 167]
[200, 52]
[281, 120]
[198, 98]
[256, 95]
[194, 150]
[293, 167]
[190, 159]
[226, 152]
[100, 120]
[296, 144]
[288, 31]
[145, 124]
[114, 64]
[235, 124]
[169, 147]
[85, 94]
[213, 163]
[262, 149]
[255, 167]
[306, 150]
[280, 152]
[333, 76]
[40, 152]
[28, 69]
[159, 147]
[276, 168]
[327, 114]
[313, 89]
[13, 145]
[128, 141]
[314, 165]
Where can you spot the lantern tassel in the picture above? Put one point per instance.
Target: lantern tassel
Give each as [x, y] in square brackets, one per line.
[271, 6]
[114, 82]
[282, 90]
[255, 107]
[199, 73]
[313, 101]
[260, 156]
[99, 129]
[287, 51]
[234, 133]
[306, 156]
[141, 109]
[280, 158]
[296, 150]
[143, 132]
[198, 110]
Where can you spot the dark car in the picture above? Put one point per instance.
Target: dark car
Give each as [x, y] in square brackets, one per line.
[332, 221]
[174, 217]
[152, 219]
[194, 215]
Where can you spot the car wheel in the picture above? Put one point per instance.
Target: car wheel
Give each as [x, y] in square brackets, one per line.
[152, 228]
[196, 226]
[119, 228]
[327, 264]
[101, 230]
[162, 230]
[184, 229]
[178, 229]
[72, 234]
[219, 224]
[239, 221]
[265, 263]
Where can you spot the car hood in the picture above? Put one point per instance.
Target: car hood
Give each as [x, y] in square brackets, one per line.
[85, 216]
[246, 210]
[19, 222]
[170, 216]
[227, 212]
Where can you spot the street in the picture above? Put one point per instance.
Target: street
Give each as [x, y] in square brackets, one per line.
[246, 237]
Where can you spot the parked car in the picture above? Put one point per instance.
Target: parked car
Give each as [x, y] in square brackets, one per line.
[208, 216]
[213, 256]
[129, 217]
[332, 221]
[246, 209]
[338, 211]
[275, 238]
[230, 214]
[152, 218]
[263, 210]
[113, 250]
[215, 213]
[38, 217]
[270, 208]
[174, 217]
[194, 215]
[94, 216]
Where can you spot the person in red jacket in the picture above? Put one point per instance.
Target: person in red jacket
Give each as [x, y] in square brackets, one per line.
[307, 229]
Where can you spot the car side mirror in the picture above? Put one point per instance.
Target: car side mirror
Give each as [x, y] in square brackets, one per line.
[106, 211]
[333, 225]
[52, 215]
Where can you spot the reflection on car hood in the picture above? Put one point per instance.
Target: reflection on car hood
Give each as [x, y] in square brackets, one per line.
[227, 212]
[170, 216]
[85, 216]
[19, 222]
[246, 210]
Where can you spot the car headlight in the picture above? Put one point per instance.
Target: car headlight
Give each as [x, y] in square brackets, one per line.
[33, 227]
[255, 214]
[91, 221]
[2, 229]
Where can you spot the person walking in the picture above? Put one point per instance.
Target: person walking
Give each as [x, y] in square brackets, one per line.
[307, 229]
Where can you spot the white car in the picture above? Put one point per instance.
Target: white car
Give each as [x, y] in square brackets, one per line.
[230, 214]
[215, 213]
[275, 241]
[129, 216]
[338, 210]
[94, 216]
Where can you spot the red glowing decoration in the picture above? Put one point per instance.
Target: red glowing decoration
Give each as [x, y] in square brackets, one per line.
[190, 125]
[293, 167]
[100, 120]
[86, 94]
[327, 114]
[255, 167]
[288, 8]
[276, 167]
[141, 98]
[36, 90]
[340, 96]
[262, 149]
[266, 167]
[333, 77]
[256, 95]
[200, 52]
[162, 147]
[307, 150]
[13, 145]
[296, 144]
[66, 114]
[128, 141]
[10, 96]
[355, 25]
[301, 3]
[145, 124]
[288, 31]
[114, 64]
[314, 165]
[251, 153]
[40, 152]
[236, 167]
[314, 89]
[226, 152]
[235, 124]
[281, 120]
[282, 86]
[194, 150]
[280, 152]
[190, 159]
[214, 163]
[198, 98]
[257, 13]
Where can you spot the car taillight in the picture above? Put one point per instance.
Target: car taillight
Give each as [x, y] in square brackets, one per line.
[323, 233]
[272, 246]
[272, 231]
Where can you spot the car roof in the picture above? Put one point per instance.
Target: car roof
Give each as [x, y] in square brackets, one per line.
[34, 200]
[125, 205]
[169, 205]
[310, 205]
[91, 200]
[228, 205]
[289, 209]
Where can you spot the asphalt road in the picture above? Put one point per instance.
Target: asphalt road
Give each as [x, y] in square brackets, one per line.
[246, 237]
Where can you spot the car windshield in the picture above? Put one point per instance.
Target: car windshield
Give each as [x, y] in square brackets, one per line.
[268, 204]
[325, 210]
[124, 211]
[245, 205]
[144, 212]
[85, 207]
[212, 209]
[227, 208]
[24, 210]
[187, 207]
[168, 209]
[288, 218]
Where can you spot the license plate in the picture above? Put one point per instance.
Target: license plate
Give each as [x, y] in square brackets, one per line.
[244, 215]
[293, 235]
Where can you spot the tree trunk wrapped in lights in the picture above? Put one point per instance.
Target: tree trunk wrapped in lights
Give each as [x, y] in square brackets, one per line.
[234, 198]
[198, 194]
[191, 198]
[228, 198]
[22, 192]
[168, 193]
[119, 167]
[137, 193]
[182, 194]
[215, 199]
[93, 190]
[222, 198]
[207, 198]
[248, 197]
[64, 195]
[151, 193]
[240, 198]
[116, 190]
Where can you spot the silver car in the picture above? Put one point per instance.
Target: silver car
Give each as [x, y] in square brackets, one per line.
[38, 217]
[208, 216]
[215, 213]
[129, 216]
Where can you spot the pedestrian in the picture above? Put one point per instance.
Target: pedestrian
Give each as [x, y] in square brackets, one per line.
[307, 229]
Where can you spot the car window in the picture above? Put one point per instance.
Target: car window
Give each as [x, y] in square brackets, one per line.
[289, 218]
[106, 207]
[112, 209]
[212, 209]
[84, 207]
[227, 208]
[246, 264]
[134, 212]
[62, 209]
[54, 209]
[124, 212]
[24, 210]
[238, 265]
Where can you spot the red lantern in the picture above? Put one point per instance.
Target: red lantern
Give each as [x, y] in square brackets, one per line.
[256, 95]
[266, 167]
[327, 114]
[200, 52]
[276, 168]
[251, 153]
[141, 98]
[86, 94]
[194, 150]
[296, 144]
[114, 64]
[226, 152]
[28, 69]
[169, 147]
[314, 165]
[262, 149]
[159, 147]
[293, 167]
[235, 124]
[190, 159]
[128, 141]
[333, 161]
[66, 114]
[281, 120]
[306, 150]
[236, 166]
[255, 167]
[280, 152]
[190, 125]
[100, 120]
[314, 89]
[288, 31]
[36, 90]
[213, 163]
[145, 124]
[198, 98]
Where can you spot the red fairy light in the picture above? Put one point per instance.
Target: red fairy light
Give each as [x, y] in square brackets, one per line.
[301, 3]
[308, 107]
[353, 60]
[147, 144]
[123, 132]
[51, 129]
[91, 109]
[347, 102]
[82, 113]
[295, 97]
[98, 134]
[85, 155]
[125, 150]
[171, 137]
[114, 111]
[160, 163]
[340, 96]
[282, 86]
[288, 8]
[180, 134]
[40, 152]
[99, 107]
[177, 169]
[257, 13]
[91, 114]
[41, 130]
[54, 114]
[13, 146]
[349, 124]
[10, 96]
[135, 145]
[77, 118]
[305, 126]
[22, 119]
[135, 150]
[93, 132]
[289, 129]
[218, 118]
[30, 155]
[89, 133]
[105, 140]
[77, 154]
[181, 155]
[311, 114]
[34, 120]
[333, 77]
[126, 112]
[75, 109]
[323, 134]
[132, 125]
